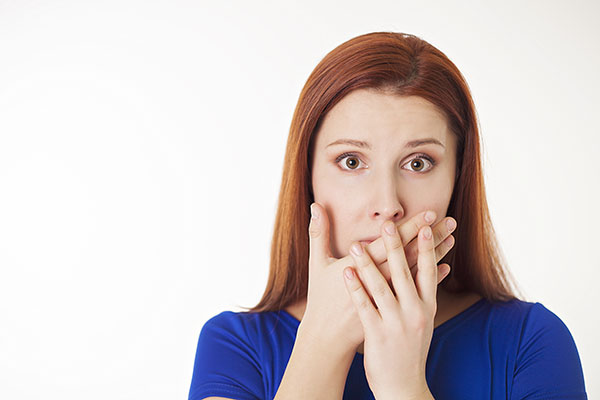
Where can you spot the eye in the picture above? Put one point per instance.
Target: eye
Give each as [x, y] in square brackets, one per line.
[418, 163]
[351, 161]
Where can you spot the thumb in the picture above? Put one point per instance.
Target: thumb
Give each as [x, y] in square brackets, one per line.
[318, 230]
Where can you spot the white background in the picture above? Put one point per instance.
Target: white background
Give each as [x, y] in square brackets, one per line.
[141, 150]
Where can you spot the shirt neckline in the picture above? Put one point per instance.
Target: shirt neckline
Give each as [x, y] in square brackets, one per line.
[439, 330]
[458, 318]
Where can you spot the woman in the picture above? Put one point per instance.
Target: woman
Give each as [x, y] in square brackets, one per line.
[384, 136]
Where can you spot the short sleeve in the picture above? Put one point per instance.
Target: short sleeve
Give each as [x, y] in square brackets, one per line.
[548, 364]
[226, 363]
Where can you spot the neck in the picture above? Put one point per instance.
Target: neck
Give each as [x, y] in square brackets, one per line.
[443, 300]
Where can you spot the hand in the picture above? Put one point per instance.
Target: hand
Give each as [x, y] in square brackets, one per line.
[442, 238]
[330, 315]
[398, 333]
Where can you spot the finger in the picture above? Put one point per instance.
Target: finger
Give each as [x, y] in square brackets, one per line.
[368, 315]
[318, 229]
[441, 231]
[444, 248]
[374, 282]
[402, 281]
[441, 275]
[445, 271]
[426, 268]
[408, 232]
[440, 252]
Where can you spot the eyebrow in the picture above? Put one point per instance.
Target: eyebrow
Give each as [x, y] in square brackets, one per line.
[365, 145]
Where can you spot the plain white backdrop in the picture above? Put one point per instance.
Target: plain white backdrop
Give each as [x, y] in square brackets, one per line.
[141, 151]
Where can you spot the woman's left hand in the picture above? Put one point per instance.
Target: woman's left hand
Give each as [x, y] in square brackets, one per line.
[398, 332]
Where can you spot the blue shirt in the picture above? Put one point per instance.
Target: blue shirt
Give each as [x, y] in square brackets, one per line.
[503, 350]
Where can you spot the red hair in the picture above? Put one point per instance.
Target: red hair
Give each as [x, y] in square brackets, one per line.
[404, 65]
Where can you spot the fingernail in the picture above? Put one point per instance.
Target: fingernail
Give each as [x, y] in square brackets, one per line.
[427, 232]
[429, 216]
[451, 224]
[356, 249]
[390, 228]
[348, 272]
[446, 271]
[314, 212]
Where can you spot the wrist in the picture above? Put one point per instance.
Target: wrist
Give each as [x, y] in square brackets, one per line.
[321, 344]
[312, 334]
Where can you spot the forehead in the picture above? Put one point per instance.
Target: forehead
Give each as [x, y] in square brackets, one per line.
[367, 113]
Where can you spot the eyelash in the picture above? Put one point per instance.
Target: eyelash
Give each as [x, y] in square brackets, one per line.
[420, 155]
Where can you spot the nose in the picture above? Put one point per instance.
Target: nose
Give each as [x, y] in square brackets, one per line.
[385, 200]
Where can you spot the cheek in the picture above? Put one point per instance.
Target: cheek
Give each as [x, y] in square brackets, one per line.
[439, 201]
[438, 189]
[340, 193]
[433, 195]
[343, 218]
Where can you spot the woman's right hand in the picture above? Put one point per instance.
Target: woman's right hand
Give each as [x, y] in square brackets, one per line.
[330, 316]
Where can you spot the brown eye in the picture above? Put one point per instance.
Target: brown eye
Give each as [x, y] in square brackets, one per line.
[352, 162]
[419, 163]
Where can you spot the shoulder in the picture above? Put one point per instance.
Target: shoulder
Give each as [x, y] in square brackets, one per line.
[542, 328]
[231, 321]
[241, 327]
[530, 319]
[228, 360]
[239, 351]
[541, 318]
[533, 318]
[247, 323]
[258, 330]
[514, 314]
[547, 360]
[503, 318]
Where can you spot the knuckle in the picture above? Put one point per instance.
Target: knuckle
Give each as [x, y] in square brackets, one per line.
[406, 274]
[443, 249]
[313, 231]
[379, 290]
[362, 261]
[395, 244]
[397, 325]
[364, 303]
[434, 271]
[356, 288]
[416, 225]
[419, 321]
[440, 253]
[427, 270]
[438, 236]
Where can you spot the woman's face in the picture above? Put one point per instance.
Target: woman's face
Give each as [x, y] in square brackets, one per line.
[385, 173]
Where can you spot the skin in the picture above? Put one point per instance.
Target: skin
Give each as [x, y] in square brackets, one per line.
[398, 333]
[386, 182]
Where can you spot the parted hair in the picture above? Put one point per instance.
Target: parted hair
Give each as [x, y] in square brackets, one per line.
[404, 65]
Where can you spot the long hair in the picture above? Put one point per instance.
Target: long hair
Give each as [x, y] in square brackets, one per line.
[404, 65]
